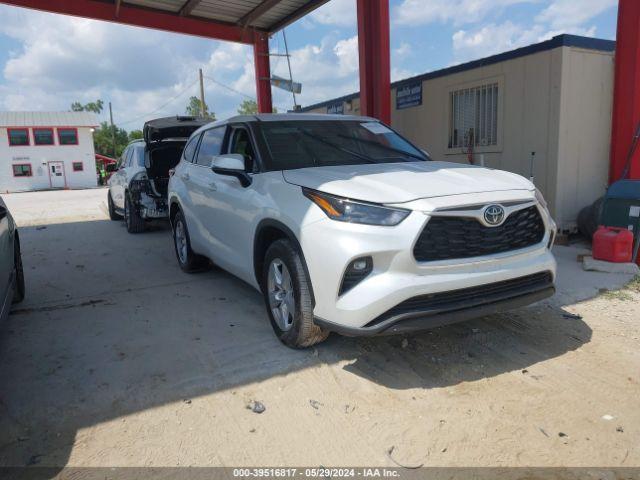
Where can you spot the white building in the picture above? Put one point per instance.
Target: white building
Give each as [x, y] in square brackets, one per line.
[553, 98]
[43, 150]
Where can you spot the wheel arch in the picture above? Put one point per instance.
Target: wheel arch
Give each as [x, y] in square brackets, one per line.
[267, 232]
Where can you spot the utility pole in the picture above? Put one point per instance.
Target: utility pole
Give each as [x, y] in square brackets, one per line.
[203, 108]
[286, 49]
[113, 131]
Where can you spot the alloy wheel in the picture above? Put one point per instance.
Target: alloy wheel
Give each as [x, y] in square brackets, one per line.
[180, 237]
[281, 299]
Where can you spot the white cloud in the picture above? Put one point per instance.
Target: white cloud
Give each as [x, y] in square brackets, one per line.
[336, 12]
[496, 38]
[458, 12]
[404, 50]
[567, 14]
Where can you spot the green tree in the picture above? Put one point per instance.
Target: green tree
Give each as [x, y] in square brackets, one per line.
[95, 107]
[103, 140]
[135, 135]
[194, 109]
[250, 107]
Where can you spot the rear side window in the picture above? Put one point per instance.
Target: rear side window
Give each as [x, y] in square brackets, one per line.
[190, 149]
[210, 146]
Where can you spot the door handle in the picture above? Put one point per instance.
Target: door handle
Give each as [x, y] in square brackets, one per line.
[184, 176]
[213, 186]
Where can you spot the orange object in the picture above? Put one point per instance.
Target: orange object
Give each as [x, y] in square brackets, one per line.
[613, 244]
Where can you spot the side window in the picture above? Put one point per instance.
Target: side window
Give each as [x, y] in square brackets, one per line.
[190, 149]
[241, 143]
[138, 156]
[122, 162]
[127, 159]
[210, 146]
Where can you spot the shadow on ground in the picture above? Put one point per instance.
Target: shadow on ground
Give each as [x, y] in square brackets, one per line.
[111, 327]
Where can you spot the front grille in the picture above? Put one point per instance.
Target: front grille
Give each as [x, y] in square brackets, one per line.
[446, 238]
[454, 300]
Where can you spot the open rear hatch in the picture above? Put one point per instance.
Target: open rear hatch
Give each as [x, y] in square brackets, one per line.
[165, 139]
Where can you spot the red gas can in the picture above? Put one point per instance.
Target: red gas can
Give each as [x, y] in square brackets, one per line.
[613, 244]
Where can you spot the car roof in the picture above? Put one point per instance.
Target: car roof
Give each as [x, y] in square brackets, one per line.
[280, 117]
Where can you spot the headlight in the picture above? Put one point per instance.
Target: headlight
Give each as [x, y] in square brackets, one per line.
[541, 199]
[345, 210]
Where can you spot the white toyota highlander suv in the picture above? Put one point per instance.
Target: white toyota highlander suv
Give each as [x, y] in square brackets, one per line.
[345, 226]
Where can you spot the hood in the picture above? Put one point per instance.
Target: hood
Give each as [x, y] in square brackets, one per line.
[171, 127]
[404, 182]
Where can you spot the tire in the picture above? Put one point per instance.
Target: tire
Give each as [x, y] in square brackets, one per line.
[113, 215]
[135, 223]
[290, 298]
[19, 293]
[188, 260]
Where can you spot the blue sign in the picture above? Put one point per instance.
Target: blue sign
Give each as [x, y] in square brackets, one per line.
[409, 95]
[335, 108]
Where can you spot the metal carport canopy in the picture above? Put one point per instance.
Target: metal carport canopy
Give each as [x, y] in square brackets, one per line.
[243, 21]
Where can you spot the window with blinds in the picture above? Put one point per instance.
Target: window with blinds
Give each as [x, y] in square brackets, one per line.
[473, 116]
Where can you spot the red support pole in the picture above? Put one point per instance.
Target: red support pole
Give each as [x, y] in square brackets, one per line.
[375, 63]
[626, 93]
[263, 72]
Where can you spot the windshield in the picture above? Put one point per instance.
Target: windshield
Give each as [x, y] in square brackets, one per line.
[300, 144]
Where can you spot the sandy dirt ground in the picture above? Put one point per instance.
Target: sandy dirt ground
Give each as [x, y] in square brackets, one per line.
[117, 358]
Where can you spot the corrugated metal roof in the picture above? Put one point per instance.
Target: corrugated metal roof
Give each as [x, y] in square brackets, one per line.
[270, 15]
[48, 119]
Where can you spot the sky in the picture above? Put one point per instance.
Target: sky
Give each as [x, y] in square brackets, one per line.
[49, 61]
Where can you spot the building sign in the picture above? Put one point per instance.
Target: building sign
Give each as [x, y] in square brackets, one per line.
[335, 108]
[409, 95]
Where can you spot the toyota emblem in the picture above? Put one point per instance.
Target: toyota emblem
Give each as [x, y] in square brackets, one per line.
[494, 215]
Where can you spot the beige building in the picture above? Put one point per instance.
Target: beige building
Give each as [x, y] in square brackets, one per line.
[553, 98]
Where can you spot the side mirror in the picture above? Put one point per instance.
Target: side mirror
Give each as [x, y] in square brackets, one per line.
[111, 167]
[3, 212]
[231, 164]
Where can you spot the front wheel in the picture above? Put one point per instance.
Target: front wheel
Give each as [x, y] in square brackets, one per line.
[135, 223]
[287, 295]
[113, 215]
[188, 260]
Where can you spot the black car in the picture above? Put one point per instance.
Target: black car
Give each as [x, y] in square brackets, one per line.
[11, 274]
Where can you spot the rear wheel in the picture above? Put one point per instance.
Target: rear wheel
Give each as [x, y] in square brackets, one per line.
[19, 293]
[135, 223]
[188, 260]
[287, 295]
[113, 215]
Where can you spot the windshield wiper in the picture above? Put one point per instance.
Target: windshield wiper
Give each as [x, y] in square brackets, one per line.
[384, 147]
[333, 145]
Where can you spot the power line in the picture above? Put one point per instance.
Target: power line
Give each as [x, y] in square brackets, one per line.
[160, 107]
[230, 88]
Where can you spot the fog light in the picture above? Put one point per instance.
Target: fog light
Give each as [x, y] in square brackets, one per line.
[359, 264]
[356, 271]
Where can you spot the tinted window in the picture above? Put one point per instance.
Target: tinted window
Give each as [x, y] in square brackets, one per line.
[210, 145]
[137, 156]
[18, 136]
[241, 144]
[68, 136]
[22, 170]
[190, 149]
[124, 157]
[43, 136]
[300, 144]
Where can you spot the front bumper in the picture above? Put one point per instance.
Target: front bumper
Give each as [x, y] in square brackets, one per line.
[329, 246]
[422, 314]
